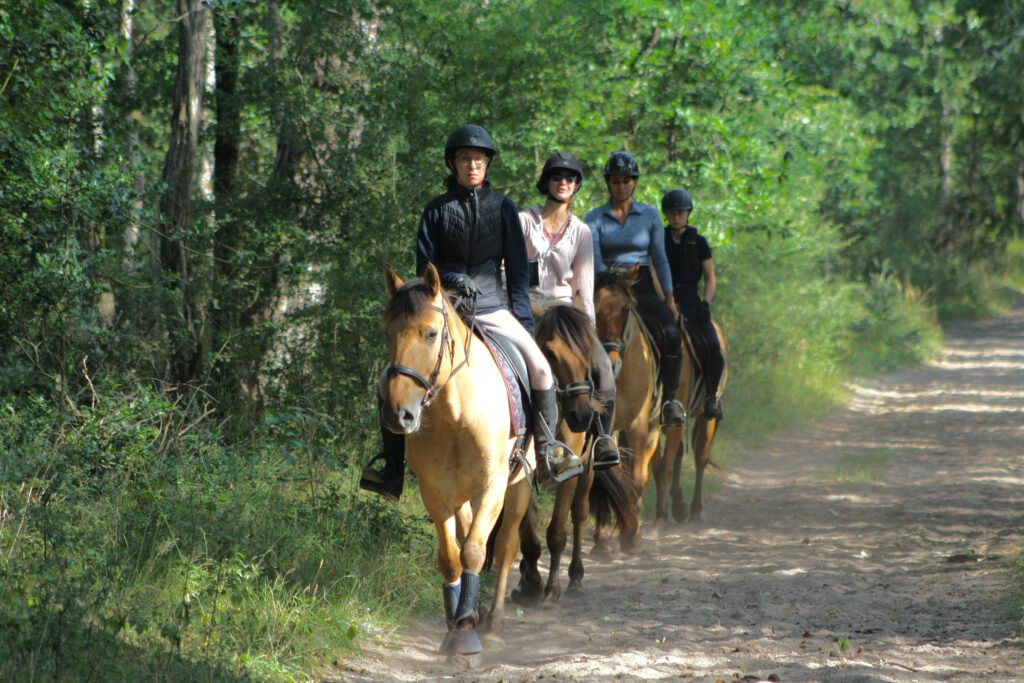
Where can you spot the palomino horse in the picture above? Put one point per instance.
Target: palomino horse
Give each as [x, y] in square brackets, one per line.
[638, 398]
[440, 389]
[567, 339]
[698, 432]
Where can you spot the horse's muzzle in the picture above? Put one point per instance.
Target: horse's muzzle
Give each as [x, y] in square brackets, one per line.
[401, 419]
[578, 417]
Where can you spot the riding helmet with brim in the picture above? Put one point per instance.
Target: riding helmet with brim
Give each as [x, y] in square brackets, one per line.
[676, 200]
[468, 136]
[621, 163]
[560, 161]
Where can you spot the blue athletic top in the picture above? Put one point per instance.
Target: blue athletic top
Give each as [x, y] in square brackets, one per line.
[629, 244]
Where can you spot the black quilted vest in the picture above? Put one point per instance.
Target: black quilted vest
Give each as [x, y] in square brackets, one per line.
[468, 238]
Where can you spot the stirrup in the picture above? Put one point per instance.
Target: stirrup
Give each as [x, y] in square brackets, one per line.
[573, 470]
[375, 481]
[672, 414]
[608, 462]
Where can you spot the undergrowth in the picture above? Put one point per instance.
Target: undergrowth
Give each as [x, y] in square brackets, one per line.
[136, 545]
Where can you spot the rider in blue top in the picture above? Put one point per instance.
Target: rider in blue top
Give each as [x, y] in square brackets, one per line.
[626, 233]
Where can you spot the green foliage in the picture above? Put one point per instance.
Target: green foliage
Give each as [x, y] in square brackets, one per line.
[896, 327]
[128, 525]
[855, 167]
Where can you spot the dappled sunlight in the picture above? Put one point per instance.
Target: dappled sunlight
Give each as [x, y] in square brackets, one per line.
[893, 399]
[990, 364]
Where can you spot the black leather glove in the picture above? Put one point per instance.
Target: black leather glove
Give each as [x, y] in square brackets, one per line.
[706, 306]
[461, 284]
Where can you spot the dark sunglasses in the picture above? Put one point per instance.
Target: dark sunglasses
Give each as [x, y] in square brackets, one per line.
[559, 177]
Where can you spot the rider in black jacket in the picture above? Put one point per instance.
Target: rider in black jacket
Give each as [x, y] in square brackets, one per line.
[470, 233]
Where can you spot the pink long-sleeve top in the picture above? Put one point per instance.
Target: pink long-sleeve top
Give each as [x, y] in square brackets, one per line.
[566, 259]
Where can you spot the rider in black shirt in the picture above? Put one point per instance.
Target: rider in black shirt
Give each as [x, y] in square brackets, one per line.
[689, 258]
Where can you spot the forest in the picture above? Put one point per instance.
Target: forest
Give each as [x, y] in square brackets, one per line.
[197, 201]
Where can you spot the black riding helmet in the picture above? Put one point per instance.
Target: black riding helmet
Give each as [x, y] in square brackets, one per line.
[468, 136]
[560, 161]
[676, 200]
[621, 163]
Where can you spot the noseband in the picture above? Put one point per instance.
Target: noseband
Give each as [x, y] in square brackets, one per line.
[582, 388]
[616, 345]
[429, 384]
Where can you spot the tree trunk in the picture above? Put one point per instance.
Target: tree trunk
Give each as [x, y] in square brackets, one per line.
[947, 122]
[175, 204]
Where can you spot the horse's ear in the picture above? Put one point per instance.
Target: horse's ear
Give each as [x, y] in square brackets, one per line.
[630, 276]
[391, 280]
[431, 279]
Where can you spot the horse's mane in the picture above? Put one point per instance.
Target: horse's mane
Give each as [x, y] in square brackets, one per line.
[612, 280]
[571, 326]
[408, 302]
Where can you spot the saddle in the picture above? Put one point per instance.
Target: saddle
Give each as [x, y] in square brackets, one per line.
[513, 369]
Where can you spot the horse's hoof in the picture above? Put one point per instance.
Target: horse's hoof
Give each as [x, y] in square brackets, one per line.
[464, 662]
[525, 598]
[601, 551]
[631, 547]
[681, 513]
[464, 643]
[551, 600]
[493, 641]
[575, 586]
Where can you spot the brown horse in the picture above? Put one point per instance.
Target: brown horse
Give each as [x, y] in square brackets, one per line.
[440, 389]
[638, 397]
[567, 339]
[698, 432]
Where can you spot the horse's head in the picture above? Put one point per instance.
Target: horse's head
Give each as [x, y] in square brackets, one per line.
[416, 323]
[567, 339]
[613, 299]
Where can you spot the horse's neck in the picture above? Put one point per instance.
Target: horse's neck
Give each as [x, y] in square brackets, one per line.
[467, 347]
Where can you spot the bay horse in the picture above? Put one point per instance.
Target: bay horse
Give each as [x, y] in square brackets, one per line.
[441, 389]
[568, 339]
[638, 399]
[697, 433]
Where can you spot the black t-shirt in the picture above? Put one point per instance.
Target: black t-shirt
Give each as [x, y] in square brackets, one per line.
[686, 258]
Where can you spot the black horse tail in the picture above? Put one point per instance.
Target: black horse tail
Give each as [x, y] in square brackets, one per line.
[614, 491]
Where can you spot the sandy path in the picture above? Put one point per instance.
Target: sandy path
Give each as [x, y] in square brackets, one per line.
[801, 576]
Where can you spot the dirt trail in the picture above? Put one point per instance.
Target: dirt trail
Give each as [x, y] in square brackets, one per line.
[798, 574]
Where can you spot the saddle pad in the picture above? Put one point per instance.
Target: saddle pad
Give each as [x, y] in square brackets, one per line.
[507, 358]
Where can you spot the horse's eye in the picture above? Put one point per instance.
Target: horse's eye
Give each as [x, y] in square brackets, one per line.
[431, 335]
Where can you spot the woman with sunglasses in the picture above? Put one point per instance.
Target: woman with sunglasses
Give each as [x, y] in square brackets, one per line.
[629, 233]
[562, 259]
[472, 235]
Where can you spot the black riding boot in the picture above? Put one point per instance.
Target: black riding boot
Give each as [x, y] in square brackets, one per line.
[555, 462]
[714, 366]
[672, 411]
[389, 480]
[605, 453]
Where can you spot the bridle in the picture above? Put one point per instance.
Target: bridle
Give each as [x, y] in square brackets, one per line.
[429, 384]
[619, 345]
[581, 388]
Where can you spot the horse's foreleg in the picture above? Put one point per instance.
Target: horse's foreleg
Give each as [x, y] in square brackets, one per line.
[517, 501]
[680, 508]
[463, 520]
[556, 537]
[580, 513]
[663, 473]
[701, 458]
[529, 589]
[448, 560]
